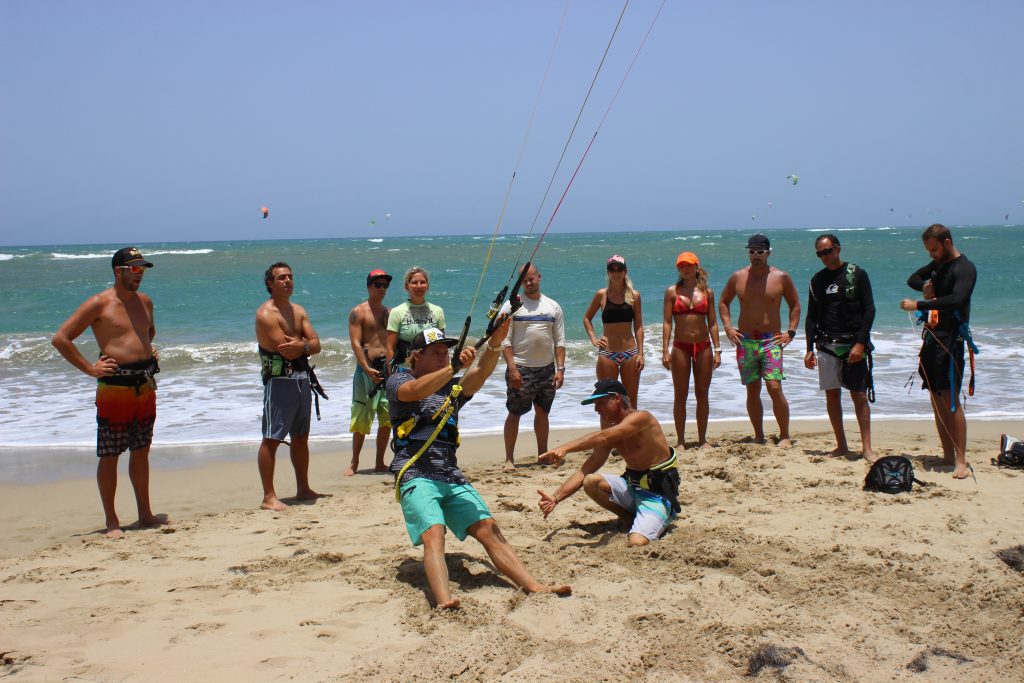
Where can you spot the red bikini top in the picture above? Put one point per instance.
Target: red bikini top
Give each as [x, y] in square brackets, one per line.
[680, 307]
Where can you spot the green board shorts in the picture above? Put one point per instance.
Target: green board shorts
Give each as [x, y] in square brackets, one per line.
[758, 359]
[365, 407]
[426, 502]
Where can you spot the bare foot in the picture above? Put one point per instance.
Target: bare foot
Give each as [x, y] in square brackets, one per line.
[454, 603]
[705, 447]
[681, 446]
[557, 590]
[351, 470]
[753, 439]
[839, 452]
[509, 466]
[785, 443]
[869, 456]
[310, 494]
[114, 532]
[962, 471]
[273, 503]
[152, 521]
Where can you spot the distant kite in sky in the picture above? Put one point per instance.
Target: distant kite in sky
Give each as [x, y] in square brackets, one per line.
[387, 216]
[771, 203]
[753, 217]
[891, 210]
[373, 221]
[794, 178]
[265, 211]
[1006, 217]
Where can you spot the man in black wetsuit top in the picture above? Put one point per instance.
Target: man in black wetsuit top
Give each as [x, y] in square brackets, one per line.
[840, 313]
[947, 282]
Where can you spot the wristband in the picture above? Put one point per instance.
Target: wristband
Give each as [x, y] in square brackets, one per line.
[718, 350]
[560, 369]
[305, 348]
[496, 349]
[792, 334]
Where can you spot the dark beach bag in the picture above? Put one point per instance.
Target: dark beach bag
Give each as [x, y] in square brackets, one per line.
[891, 474]
[1011, 453]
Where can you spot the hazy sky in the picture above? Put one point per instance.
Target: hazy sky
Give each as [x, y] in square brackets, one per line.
[152, 121]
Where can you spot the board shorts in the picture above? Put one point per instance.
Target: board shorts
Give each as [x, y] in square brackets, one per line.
[286, 406]
[835, 372]
[364, 406]
[935, 361]
[758, 359]
[124, 417]
[537, 389]
[426, 503]
[653, 512]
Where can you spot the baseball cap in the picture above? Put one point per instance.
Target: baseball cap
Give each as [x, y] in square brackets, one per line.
[377, 273]
[129, 256]
[429, 336]
[758, 241]
[616, 259]
[605, 387]
[687, 257]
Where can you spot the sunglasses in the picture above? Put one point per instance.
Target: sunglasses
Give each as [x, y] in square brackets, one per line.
[825, 252]
[134, 270]
[758, 252]
[380, 284]
[616, 269]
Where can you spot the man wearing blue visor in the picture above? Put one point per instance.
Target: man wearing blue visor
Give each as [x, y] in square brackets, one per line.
[648, 491]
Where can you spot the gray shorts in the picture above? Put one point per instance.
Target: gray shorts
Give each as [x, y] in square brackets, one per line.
[653, 512]
[834, 372]
[286, 405]
[537, 389]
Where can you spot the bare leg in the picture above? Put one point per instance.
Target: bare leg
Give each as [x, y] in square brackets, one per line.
[265, 458]
[505, 559]
[600, 492]
[511, 435]
[357, 447]
[703, 367]
[383, 437]
[630, 379]
[435, 567]
[681, 363]
[755, 411]
[138, 472]
[863, 410]
[834, 404]
[780, 407]
[300, 463]
[940, 406]
[106, 479]
[956, 424]
[540, 428]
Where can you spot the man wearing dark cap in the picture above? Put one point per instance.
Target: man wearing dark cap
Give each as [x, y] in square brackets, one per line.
[425, 402]
[648, 491]
[368, 332]
[121, 319]
[759, 339]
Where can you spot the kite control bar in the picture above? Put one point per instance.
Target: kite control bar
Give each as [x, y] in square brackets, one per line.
[514, 302]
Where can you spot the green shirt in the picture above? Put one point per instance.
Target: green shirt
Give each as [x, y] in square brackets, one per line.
[409, 319]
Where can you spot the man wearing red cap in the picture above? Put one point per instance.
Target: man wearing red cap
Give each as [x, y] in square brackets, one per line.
[758, 339]
[368, 332]
[121, 319]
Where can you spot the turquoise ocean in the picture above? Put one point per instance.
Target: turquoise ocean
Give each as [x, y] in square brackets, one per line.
[206, 294]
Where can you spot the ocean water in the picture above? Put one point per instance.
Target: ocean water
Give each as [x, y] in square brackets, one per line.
[206, 294]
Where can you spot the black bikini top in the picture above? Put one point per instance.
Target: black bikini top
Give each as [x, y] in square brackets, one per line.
[616, 313]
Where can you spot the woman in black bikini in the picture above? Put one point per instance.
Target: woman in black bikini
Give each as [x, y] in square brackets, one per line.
[620, 349]
[690, 304]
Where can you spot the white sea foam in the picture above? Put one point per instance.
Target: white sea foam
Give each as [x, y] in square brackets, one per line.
[375, 239]
[175, 252]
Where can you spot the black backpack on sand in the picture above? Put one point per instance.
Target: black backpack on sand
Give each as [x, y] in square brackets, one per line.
[891, 474]
[1011, 453]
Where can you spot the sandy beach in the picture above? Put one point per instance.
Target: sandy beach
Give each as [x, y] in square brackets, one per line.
[779, 560]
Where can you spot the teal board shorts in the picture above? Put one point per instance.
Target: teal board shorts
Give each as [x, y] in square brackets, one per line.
[653, 513]
[426, 502]
[758, 359]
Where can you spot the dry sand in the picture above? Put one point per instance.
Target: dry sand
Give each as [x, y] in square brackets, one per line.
[779, 560]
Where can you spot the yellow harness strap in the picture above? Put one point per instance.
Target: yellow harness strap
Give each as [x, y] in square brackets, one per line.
[661, 467]
[444, 412]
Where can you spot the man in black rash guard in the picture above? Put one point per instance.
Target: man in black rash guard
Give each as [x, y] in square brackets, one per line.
[840, 313]
[947, 283]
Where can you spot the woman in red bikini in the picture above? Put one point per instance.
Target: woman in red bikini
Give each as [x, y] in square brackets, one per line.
[620, 349]
[690, 304]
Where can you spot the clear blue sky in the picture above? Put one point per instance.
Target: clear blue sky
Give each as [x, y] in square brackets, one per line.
[152, 121]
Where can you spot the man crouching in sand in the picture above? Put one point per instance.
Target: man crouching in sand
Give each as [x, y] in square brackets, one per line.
[648, 492]
[424, 404]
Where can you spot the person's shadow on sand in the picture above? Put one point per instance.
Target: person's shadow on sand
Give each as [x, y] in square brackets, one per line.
[162, 523]
[604, 531]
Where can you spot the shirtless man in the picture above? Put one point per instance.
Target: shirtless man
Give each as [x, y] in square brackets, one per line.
[121, 319]
[648, 492]
[368, 332]
[286, 340]
[759, 340]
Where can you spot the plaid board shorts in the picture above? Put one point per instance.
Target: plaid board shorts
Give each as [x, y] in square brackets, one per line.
[124, 417]
[537, 389]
